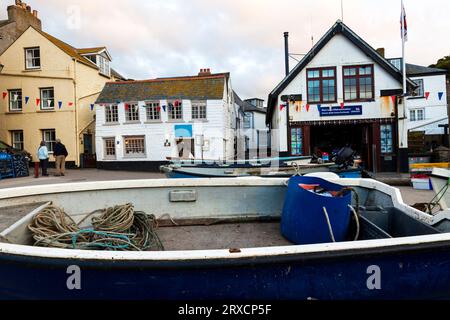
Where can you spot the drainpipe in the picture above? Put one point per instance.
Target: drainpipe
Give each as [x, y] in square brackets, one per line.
[77, 142]
[286, 52]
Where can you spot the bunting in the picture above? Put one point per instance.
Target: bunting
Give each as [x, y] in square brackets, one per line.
[394, 99]
[60, 104]
[38, 102]
[440, 95]
[27, 99]
[342, 105]
[4, 95]
[164, 108]
[427, 95]
[282, 106]
[92, 106]
[307, 107]
[70, 104]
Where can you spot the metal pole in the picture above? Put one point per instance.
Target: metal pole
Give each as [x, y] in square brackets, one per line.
[286, 52]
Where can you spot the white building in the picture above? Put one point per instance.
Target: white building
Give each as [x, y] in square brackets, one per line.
[254, 129]
[140, 124]
[343, 92]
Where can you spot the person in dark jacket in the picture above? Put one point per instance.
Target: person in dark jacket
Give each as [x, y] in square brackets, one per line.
[60, 153]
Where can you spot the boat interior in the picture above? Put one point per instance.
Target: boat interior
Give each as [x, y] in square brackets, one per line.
[196, 216]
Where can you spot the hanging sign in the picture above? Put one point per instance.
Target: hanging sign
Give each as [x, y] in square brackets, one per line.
[338, 111]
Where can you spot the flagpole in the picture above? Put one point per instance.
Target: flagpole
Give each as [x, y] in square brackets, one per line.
[403, 123]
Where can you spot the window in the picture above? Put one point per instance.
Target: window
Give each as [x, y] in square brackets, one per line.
[417, 115]
[15, 100]
[134, 146]
[199, 110]
[112, 114]
[296, 141]
[176, 110]
[387, 145]
[131, 112]
[153, 111]
[103, 65]
[398, 63]
[358, 83]
[248, 120]
[47, 99]
[110, 148]
[321, 85]
[419, 92]
[32, 58]
[49, 136]
[17, 140]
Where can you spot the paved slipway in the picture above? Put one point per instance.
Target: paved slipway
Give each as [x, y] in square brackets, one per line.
[7, 217]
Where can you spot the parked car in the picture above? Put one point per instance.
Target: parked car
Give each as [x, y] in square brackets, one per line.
[4, 147]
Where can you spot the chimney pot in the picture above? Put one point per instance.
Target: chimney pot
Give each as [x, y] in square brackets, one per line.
[35, 13]
[382, 52]
[204, 72]
[29, 9]
[18, 3]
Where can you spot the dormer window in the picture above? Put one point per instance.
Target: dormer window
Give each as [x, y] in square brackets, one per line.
[103, 64]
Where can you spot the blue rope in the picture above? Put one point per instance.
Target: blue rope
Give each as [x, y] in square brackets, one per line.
[101, 245]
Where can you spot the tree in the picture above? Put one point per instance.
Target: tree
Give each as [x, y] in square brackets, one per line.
[443, 63]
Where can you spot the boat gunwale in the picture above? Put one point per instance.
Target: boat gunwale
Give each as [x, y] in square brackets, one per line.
[253, 253]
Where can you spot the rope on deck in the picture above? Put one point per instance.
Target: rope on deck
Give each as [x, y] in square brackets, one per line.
[118, 228]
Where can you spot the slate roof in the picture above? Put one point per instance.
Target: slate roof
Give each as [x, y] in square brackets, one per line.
[90, 50]
[246, 106]
[338, 28]
[68, 49]
[414, 70]
[210, 87]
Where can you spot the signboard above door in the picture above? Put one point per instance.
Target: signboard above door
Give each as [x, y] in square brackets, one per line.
[341, 111]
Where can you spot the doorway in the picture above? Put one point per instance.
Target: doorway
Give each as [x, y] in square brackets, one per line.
[331, 138]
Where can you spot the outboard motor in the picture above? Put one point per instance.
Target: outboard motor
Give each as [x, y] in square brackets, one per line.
[345, 157]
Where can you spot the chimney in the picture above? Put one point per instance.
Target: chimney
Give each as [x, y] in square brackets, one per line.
[35, 13]
[18, 3]
[286, 52]
[382, 52]
[204, 72]
[29, 9]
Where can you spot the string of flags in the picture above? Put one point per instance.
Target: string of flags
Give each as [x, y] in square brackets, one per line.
[299, 104]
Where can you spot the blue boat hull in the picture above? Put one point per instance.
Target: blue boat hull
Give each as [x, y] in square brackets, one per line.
[409, 272]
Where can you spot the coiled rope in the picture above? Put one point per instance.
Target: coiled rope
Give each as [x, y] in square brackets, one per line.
[118, 228]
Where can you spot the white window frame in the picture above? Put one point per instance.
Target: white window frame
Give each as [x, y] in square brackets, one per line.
[199, 110]
[422, 88]
[248, 115]
[111, 114]
[414, 115]
[15, 142]
[15, 106]
[50, 143]
[175, 111]
[132, 113]
[30, 60]
[127, 140]
[107, 147]
[44, 101]
[153, 111]
[103, 65]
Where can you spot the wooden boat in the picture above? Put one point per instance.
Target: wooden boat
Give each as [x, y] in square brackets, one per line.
[176, 171]
[226, 245]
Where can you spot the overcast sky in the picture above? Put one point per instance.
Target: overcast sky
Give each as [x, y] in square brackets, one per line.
[158, 38]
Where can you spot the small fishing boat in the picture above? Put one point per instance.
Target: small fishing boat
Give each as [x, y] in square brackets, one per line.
[248, 163]
[440, 180]
[222, 240]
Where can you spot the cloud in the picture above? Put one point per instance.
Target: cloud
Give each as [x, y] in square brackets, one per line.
[159, 38]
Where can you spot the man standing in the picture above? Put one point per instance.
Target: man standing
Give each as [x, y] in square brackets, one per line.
[60, 154]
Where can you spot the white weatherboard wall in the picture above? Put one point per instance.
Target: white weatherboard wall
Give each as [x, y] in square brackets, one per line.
[258, 123]
[338, 52]
[434, 108]
[156, 133]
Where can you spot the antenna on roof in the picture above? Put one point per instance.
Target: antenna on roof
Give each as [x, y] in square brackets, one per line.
[342, 10]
